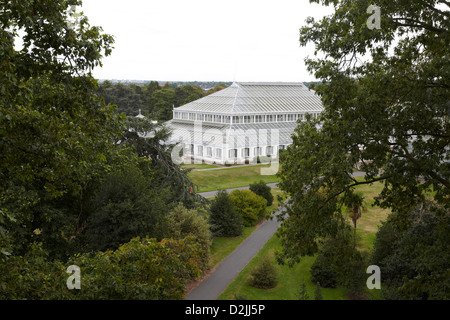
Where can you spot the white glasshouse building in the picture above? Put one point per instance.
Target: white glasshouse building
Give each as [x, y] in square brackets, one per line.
[240, 123]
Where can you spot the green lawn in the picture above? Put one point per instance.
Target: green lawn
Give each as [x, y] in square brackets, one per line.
[371, 217]
[230, 177]
[290, 279]
[222, 247]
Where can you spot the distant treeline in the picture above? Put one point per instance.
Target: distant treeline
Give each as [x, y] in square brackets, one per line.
[157, 100]
[154, 100]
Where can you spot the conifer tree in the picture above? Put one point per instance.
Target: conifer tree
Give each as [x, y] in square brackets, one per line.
[262, 189]
[303, 293]
[225, 221]
[318, 292]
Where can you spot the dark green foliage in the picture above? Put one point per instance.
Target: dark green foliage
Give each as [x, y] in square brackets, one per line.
[318, 292]
[33, 276]
[187, 93]
[324, 273]
[123, 207]
[263, 190]
[303, 292]
[387, 115]
[153, 100]
[414, 262]
[162, 103]
[166, 174]
[384, 243]
[339, 264]
[55, 133]
[225, 221]
[129, 99]
[141, 269]
[75, 176]
[264, 276]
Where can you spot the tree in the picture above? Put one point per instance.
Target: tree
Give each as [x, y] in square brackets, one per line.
[216, 89]
[338, 263]
[414, 262]
[318, 293]
[150, 141]
[55, 133]
[303, 292]
[250, 206]
[73, 177]
[125, 206]
[147, 93]
[262, 189]
[163, 102]
[355, 204]
[387, 115]
[129, 99]
[225, 221]
[187, 93]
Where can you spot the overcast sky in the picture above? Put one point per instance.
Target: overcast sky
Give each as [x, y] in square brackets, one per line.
[204, 40]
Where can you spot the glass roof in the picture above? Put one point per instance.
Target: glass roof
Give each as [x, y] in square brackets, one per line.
[258, 98]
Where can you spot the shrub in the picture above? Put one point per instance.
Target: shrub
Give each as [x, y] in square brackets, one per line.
[249, 205]
[264, 276]
[225, 221]
[33, 276]
[184, 222]
[263, 190]
[142, 269]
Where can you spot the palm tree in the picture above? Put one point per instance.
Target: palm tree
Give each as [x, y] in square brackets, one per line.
[355, 203]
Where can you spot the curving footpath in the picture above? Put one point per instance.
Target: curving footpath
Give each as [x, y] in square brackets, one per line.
[229, 268]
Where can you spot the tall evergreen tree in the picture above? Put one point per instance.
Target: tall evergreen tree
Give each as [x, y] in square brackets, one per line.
[303, 292]
[225, 221]
[262, 189]
[318, 293]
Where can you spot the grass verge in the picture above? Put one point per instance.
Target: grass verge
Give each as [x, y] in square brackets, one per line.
[290, 279]
[228, 178]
